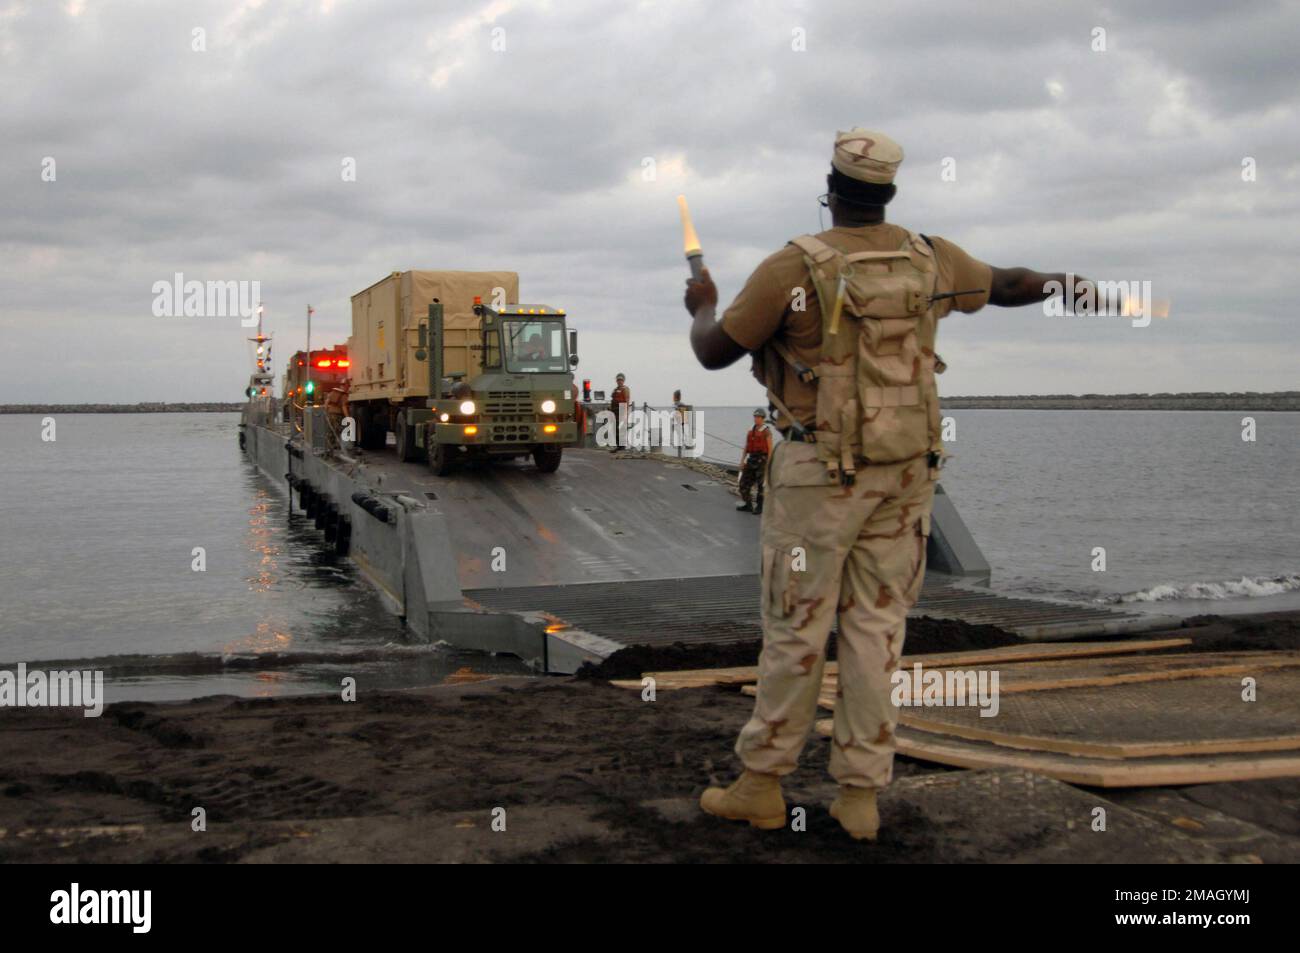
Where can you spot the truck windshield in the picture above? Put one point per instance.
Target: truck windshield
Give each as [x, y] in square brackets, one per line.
[535, 347]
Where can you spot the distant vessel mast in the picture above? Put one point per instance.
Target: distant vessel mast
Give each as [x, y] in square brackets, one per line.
[262, 380]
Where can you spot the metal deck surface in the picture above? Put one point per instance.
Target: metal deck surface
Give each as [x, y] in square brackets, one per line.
[726, 609]
[596, 519]
[649, 551]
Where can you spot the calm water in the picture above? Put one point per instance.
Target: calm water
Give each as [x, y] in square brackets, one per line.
[100, 525]
[1192, 518]
[99, 529]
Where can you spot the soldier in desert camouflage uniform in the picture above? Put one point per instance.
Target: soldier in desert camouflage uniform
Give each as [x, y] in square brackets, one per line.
[753, 461]
[850, 489]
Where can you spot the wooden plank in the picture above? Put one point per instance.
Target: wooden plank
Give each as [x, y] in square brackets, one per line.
[1037, 651]
[1105, 750]
[1156, 675]
[1269, 662]
[1042, 651]
[1091, 771]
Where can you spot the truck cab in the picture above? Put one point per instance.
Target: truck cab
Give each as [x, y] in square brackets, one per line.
[510, 394]
[309, 378]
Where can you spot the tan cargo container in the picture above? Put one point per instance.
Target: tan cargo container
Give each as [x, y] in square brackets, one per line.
[386, 319]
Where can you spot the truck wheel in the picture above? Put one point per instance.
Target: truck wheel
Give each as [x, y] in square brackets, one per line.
[407, 451]
[440, 457]
[547, 458]
[406, 434]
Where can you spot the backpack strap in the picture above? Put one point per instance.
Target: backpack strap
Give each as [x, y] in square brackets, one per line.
[829, 269]
[815, 249]
[805, 373]
[797, 430]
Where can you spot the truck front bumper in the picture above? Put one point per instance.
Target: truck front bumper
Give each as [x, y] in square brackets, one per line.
[505, 435]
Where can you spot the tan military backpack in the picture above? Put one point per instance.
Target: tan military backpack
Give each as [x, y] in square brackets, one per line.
[877, 398]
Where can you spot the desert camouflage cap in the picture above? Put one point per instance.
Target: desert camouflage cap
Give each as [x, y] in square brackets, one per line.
[866, 156]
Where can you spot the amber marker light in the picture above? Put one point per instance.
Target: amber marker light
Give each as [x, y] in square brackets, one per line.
[471, 430]
[550, 428]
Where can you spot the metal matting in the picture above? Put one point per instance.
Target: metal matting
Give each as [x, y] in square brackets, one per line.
[726, 609]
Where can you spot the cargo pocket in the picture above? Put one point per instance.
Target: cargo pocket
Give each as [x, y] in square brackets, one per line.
[780, 585]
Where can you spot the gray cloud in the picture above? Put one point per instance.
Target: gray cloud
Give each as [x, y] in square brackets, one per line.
[225, 164]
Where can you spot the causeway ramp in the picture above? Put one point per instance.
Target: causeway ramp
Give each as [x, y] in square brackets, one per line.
[612, 550]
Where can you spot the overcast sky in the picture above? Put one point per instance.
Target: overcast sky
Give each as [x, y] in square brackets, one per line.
[226, 164]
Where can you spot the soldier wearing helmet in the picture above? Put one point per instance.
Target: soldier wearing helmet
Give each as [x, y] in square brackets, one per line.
[753, 460]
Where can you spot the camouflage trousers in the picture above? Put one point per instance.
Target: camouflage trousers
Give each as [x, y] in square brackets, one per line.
[855, 555]
[751, 477]
[335, 422]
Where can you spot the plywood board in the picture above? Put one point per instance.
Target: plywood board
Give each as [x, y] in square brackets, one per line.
[1110, 672]
[1092, 771]
[1140, 718]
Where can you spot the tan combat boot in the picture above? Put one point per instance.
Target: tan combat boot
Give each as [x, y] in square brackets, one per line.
[753, 797]
[855, 809]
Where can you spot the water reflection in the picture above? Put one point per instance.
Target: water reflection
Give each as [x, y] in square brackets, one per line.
[260, 540]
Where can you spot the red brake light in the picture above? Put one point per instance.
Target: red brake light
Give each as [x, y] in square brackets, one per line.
[345, 363]
[324, 363]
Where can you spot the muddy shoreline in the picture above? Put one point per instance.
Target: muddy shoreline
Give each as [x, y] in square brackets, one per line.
[578, 770]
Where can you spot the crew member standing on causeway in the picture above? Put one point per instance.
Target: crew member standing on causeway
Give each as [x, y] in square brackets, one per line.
[336, 408]
[842, 327]
[620, 402]
[758, 447]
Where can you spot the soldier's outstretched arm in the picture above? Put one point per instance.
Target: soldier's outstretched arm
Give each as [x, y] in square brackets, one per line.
[713, 347]
[1013, 287]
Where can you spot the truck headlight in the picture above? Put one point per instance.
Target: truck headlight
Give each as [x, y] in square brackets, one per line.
[467, 407]
[444, 417]
[548, 406]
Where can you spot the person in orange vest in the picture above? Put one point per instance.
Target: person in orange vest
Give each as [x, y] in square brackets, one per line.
[620, 402]
[758, 447]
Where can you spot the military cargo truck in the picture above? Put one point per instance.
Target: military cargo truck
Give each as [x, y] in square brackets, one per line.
[299, 389]
[453, 379]
[329, 368]
[388, 378]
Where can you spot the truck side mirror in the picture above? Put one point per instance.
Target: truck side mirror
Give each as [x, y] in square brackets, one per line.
[573, 348]
[422, 342]
[573, 360]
